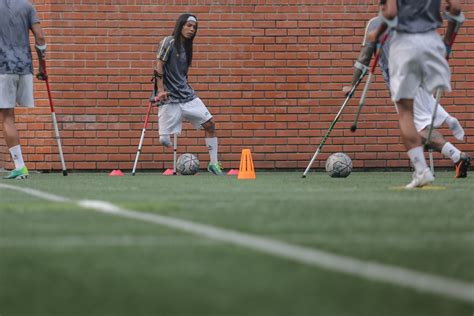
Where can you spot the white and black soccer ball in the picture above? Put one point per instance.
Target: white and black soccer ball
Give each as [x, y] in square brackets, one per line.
[339, 165]
[187, 164]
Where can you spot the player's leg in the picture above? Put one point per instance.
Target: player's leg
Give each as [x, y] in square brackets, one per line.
[423, 109]
[413, 143]
[461, 160]
[455, 127]
[8, 97]
[214, 166]
[436, 75]
[406, 77]
[169, 122]
[196, 112]
[12, 139]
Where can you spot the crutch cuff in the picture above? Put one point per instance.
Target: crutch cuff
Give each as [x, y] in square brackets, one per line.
[390, 23]
[360, 66]
[458, 19]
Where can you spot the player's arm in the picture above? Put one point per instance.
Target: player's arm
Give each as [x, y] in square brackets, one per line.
[388, 15]
[455, 19]
[161, 58]
[158, 73]
[40, 47]
[453, 7]
[367, 51]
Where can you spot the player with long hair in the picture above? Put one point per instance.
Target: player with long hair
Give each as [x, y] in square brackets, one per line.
[179, 101]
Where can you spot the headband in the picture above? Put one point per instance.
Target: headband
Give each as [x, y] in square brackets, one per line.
[192, 19]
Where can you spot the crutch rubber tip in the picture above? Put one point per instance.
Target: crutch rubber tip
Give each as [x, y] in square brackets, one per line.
[353, 128]
[64, 172]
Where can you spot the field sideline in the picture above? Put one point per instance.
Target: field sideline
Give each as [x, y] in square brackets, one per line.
[68, 260]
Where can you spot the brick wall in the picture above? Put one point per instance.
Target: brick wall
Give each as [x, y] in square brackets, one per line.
[270, 71]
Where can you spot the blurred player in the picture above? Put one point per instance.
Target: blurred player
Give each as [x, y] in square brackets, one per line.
[417, 60]
[423, 108]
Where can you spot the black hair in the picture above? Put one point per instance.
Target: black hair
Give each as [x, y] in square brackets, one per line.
[382, 2]
[187, 44]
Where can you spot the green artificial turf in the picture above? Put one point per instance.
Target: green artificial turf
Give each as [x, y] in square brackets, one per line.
[60, 259]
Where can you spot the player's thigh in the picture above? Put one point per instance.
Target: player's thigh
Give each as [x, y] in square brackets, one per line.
[24, 93]
[8, 90]
[405, 69]
[169, 119]
[423, 110]
[196, 112]
[436, 72]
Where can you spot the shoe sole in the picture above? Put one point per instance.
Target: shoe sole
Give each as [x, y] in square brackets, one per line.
[21, 177]
[420, 185]
[216, 174]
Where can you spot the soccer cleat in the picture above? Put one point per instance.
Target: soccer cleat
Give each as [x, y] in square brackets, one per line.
[462, 166]
[18, 174]
[420, 179]
[215, 168]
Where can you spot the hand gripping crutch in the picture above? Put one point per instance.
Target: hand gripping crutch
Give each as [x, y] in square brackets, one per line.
[458, 21]
[53, 115]
[349, 95]
[369, 80]
[145, 125]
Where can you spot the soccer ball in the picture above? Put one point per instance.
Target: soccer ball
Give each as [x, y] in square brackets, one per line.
[187, 164]
[339, 165]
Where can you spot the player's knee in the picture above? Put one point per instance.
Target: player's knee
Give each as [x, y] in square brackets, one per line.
[210, 126]
[165, 140]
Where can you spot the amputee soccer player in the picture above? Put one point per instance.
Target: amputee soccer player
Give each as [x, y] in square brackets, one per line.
[17, 18]
[424, 104]
[417, 59]
[179, 100]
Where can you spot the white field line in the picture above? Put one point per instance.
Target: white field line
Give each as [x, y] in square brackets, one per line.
[421, 281]
[68, 241]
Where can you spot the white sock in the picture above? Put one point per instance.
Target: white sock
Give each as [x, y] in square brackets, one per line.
[17, 157]
[455, 127]
[451, 152]
[417, 158]
[211, 144]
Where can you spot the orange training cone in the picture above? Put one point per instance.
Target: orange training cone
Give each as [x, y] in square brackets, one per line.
[246, 170]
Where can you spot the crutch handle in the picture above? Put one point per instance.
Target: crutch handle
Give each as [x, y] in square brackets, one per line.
[156, 101]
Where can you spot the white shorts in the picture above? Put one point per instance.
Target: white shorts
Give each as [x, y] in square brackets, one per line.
[16, 89]
[417, 60]
[423, 111]
[171, 115]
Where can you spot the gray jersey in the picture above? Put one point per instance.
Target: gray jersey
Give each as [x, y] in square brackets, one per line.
[16, 19]
[175, 77]
[418, 16]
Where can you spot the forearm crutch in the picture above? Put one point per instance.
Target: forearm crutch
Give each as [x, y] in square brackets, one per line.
[145, 125]
[53, 117]
[349, 96]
